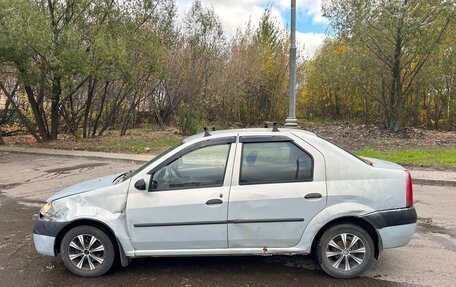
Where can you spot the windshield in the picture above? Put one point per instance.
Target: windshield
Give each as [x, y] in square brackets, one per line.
[132, 173]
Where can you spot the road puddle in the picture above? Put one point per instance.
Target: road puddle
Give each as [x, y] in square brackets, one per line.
[425, 225]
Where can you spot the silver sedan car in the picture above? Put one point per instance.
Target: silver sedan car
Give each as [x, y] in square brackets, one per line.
[235, 192]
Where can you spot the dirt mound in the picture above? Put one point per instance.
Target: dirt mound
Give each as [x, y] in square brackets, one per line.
[357, 136]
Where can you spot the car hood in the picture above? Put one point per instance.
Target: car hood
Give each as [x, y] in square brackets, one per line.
[85, 186]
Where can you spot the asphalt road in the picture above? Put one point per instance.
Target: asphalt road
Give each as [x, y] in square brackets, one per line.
[27, 180]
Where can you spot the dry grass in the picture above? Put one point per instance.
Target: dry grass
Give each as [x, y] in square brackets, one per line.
[135, 141]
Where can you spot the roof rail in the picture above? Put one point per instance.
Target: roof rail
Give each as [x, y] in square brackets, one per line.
[206, 133]
[274, 127]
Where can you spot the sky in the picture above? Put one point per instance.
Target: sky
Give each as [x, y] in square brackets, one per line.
[310, 24]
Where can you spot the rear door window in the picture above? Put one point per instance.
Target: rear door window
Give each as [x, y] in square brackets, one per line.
[274, 162]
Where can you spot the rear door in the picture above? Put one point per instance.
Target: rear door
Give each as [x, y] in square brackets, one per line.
[278, 186]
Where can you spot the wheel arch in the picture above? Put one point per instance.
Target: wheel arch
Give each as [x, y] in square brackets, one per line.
[119, 251]
[366, 225]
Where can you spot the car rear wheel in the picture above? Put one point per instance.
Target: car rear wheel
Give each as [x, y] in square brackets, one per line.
[345, 251]
[87, 251]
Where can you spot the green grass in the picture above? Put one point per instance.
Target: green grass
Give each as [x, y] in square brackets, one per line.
[438, 157]
[141, 146]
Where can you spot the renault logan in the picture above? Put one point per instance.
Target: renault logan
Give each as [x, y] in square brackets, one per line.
[235, 192]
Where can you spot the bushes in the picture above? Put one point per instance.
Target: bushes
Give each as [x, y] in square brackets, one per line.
[190, 119]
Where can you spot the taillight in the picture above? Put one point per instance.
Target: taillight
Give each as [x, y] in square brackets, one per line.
[408, 189]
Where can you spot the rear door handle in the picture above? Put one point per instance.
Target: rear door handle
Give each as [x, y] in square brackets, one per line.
[313, 196]
[214, 201]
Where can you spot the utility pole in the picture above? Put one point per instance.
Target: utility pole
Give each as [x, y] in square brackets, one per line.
[291, 121]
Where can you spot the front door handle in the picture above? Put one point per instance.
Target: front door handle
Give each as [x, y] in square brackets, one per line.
[313, 196]
[214, 201]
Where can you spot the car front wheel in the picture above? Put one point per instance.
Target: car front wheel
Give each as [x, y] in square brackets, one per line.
[87, 251]
[345, 251]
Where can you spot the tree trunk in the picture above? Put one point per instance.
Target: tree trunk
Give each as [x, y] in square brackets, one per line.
[100, 111]
[416, 107]
[55, 106]
[37, 114]
[130, 115]
[69, 123]
[395, 103]
[114, 109]
[88, 107]
[3, 119]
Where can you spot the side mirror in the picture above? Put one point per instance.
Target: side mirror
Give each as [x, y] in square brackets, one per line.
[140, 185]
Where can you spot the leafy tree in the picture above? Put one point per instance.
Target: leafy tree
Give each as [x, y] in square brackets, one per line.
[329, 91]
[400, 35]
[258, 73]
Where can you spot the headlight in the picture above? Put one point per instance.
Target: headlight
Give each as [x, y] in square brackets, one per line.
[48, 212]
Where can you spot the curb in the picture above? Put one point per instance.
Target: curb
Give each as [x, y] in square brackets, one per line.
[434, 182]
[130, 158]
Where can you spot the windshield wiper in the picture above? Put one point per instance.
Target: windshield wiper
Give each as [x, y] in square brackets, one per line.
[122, 177]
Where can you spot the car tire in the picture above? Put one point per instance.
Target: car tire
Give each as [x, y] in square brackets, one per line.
[92, 257]
[345, 251]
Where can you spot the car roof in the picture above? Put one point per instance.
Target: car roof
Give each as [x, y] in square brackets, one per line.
[248, 131]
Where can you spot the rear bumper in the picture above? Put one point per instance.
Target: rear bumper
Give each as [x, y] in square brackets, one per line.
[395, 227]
[392, 217]
[396, 236]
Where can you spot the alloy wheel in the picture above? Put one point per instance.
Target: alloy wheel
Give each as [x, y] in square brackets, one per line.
[86, 252]
[345, 251]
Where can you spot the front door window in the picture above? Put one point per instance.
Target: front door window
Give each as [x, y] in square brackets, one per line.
[204, 167]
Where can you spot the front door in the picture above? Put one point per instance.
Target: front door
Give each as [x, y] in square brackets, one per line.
[186, 204]
[278, 186]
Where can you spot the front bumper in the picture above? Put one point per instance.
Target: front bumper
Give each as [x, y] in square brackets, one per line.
[44, 244]
[44, 235]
